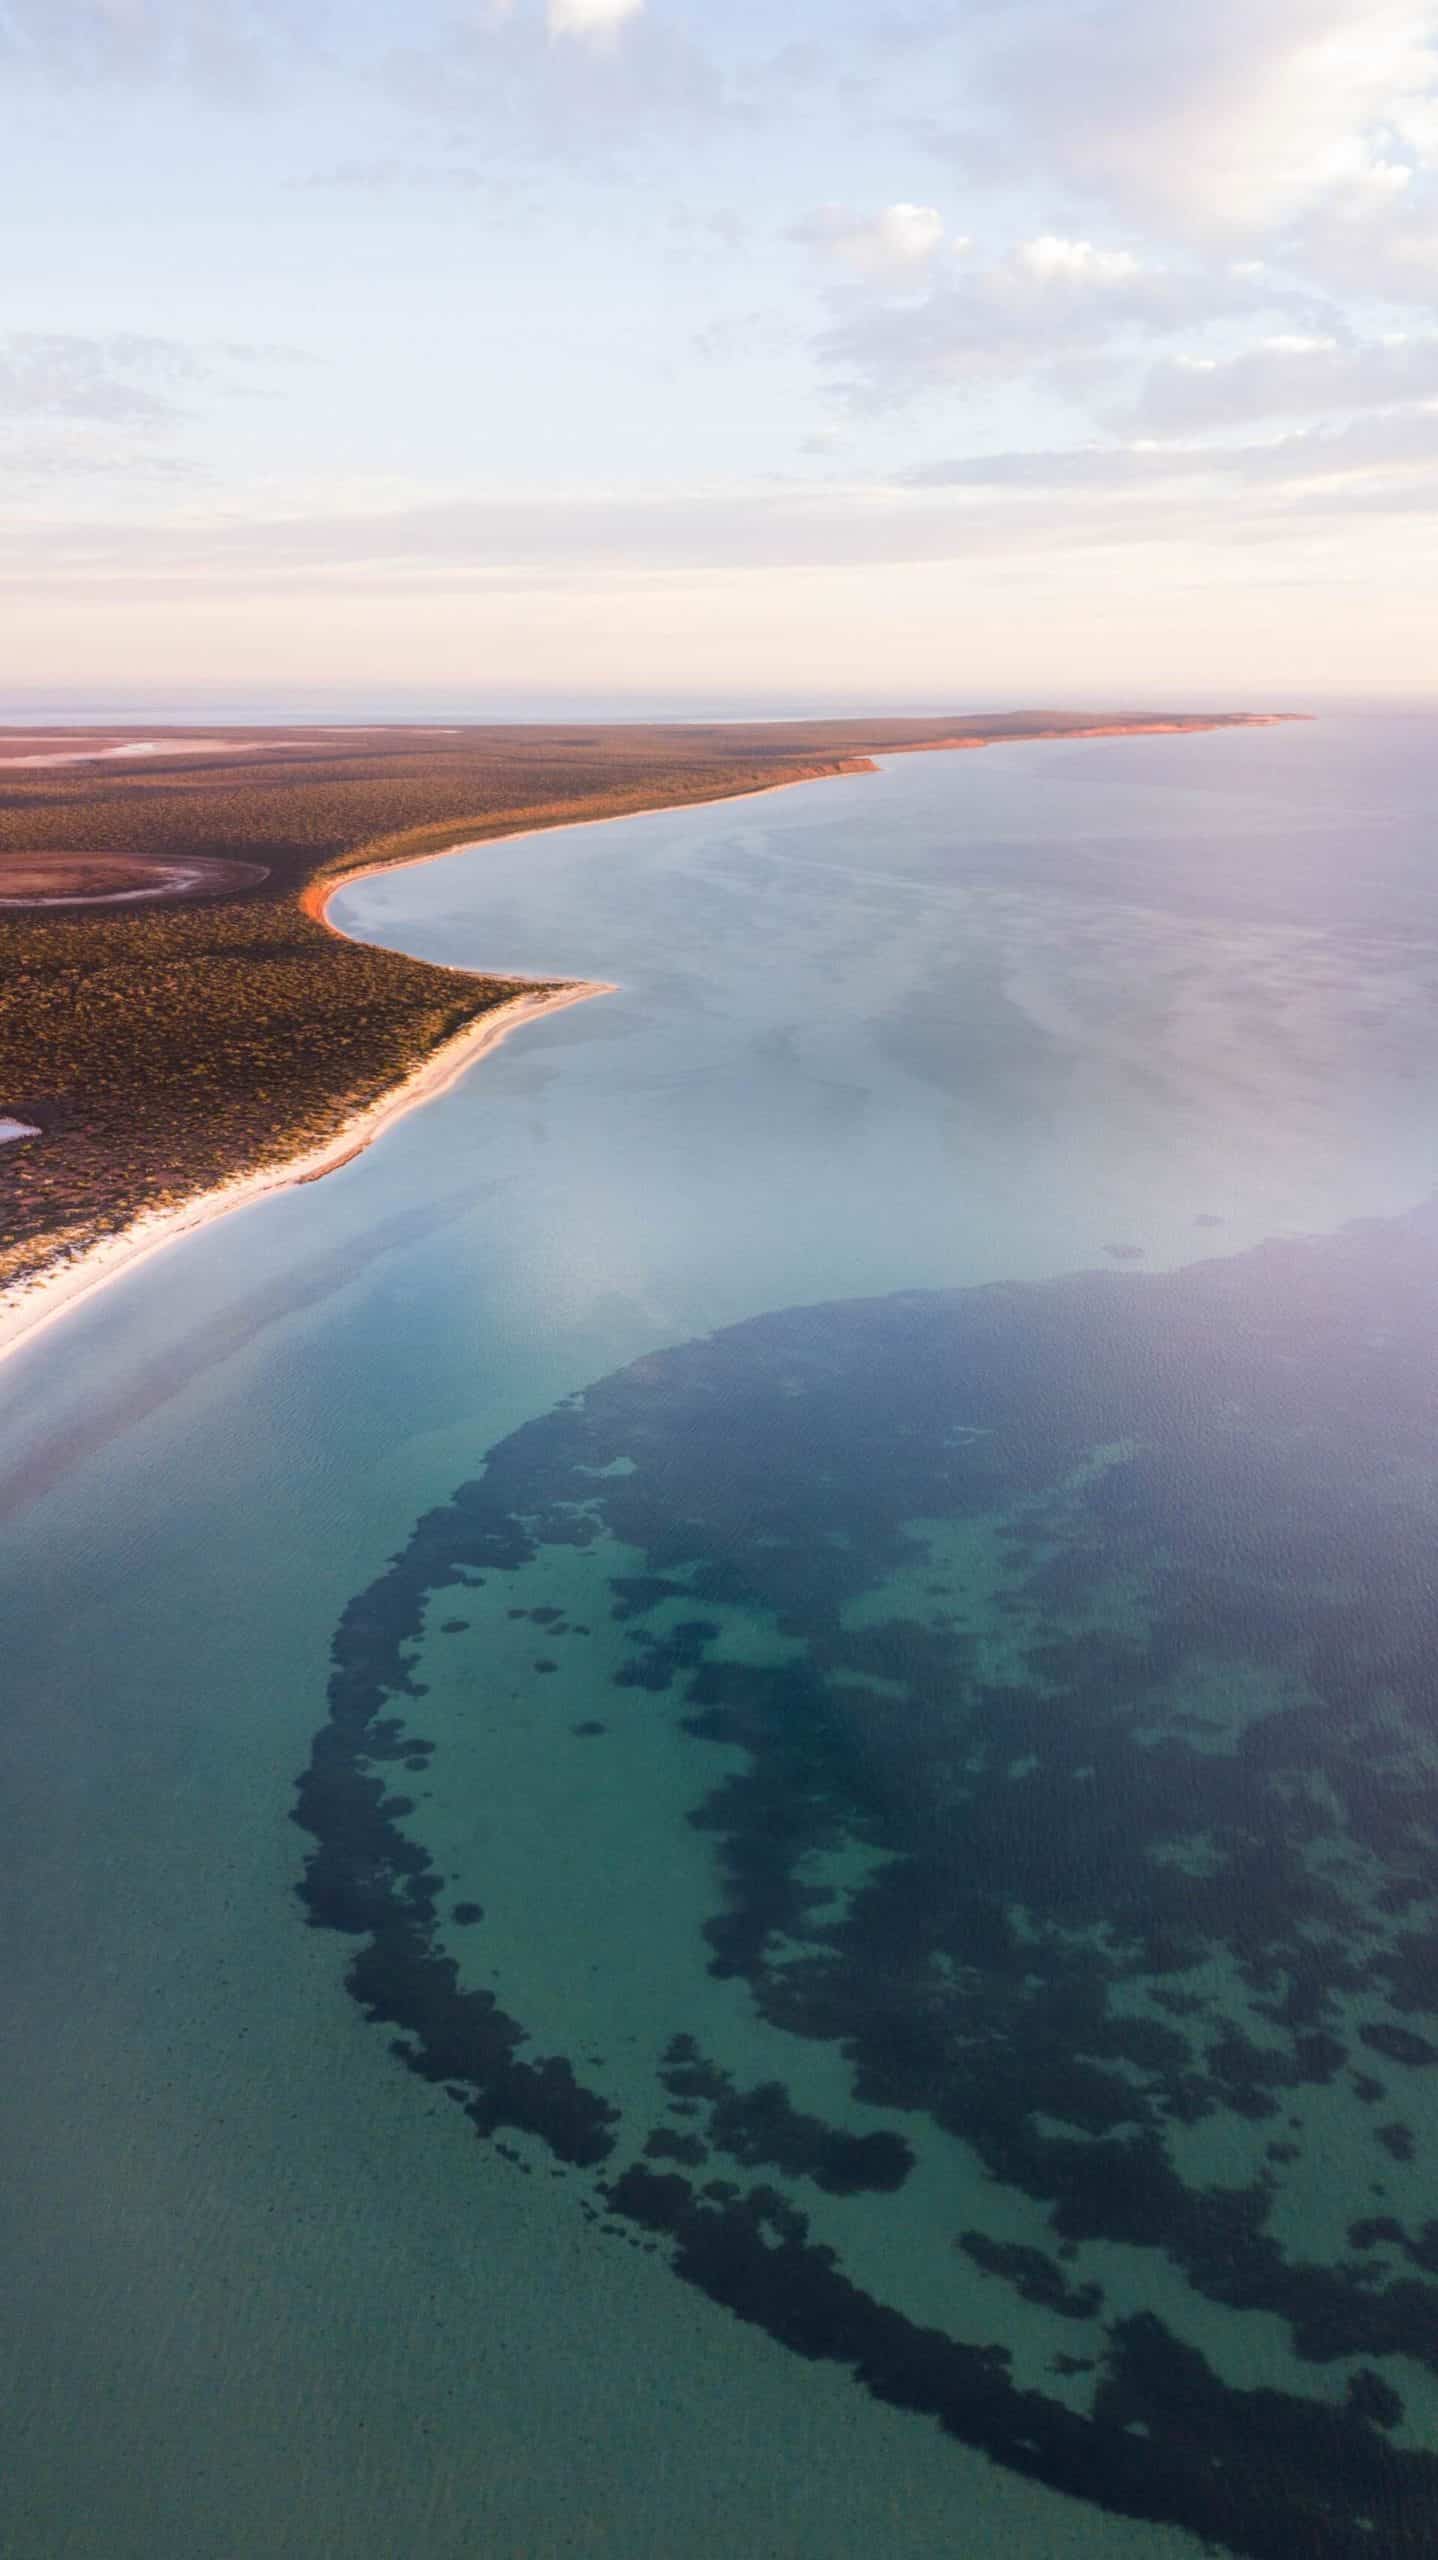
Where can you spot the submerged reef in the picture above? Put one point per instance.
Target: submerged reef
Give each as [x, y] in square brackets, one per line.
[1055, 1671]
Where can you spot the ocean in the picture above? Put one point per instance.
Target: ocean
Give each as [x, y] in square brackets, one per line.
[721, 1776]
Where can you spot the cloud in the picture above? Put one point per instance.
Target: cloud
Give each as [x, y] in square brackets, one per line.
[227, 53]
[1384, 450]
[565, 80]
[1234, 116]
[1284, 376]
[110, 380]
[1060, 471]
[110, 407]
[1001, 510]
[1053, 300]
[1051, 258]
[1387, 251]
[244, 51]
[597, 20]
[511, 541]
[898, 241]
[72, 450]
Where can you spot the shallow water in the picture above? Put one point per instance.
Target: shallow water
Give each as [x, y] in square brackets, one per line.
[1015, 1753]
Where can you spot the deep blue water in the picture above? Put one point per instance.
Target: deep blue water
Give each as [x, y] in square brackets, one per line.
[894, 1840]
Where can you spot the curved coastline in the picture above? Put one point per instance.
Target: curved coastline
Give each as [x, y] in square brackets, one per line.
[30, 1310]
[30, 1307]
[315, 898]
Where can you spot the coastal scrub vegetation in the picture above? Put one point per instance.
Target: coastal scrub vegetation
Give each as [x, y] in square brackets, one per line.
[162, 1048]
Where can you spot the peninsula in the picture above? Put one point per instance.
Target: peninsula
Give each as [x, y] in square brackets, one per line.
[179, 1026]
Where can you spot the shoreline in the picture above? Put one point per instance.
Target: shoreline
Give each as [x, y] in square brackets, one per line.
[315, 898]
[29, 1309]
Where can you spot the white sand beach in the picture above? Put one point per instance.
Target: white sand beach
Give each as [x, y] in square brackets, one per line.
[29, 1309]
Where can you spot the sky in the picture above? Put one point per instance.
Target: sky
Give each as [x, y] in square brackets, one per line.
[662, 354]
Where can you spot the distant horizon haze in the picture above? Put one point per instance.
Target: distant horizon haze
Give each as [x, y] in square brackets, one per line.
[306, 706]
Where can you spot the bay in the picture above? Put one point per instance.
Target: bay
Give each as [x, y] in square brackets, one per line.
[1133, 1005]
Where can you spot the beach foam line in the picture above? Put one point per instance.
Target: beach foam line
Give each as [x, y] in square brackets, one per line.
[29, 1309]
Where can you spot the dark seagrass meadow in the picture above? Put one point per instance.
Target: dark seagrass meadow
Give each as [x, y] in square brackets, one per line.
[721, 1782]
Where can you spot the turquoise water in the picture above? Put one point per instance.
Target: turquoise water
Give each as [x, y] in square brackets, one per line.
[1004, 1840]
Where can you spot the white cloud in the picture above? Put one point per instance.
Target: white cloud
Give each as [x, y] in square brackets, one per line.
[1052, 300]
[1285, 377]
[1383, 247]
[1236, 115]
[1075, 261]
[893, 243]
[1377, 182]
[110, 381]
[1158, 195]
[597, 20]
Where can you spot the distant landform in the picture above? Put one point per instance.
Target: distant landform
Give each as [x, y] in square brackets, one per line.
[179, 1025]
